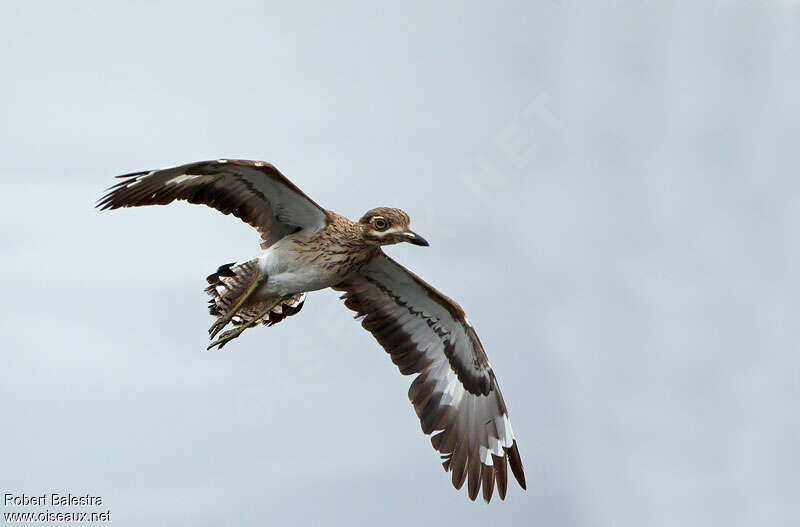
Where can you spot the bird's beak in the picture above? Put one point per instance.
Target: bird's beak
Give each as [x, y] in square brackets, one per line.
[413, 237]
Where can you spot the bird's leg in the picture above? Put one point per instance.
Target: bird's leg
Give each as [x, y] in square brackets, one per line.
[233, 333]
[221, 322]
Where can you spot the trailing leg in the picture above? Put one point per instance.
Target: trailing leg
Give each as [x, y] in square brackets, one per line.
[233, 333]
[231, 288]
[233, 291]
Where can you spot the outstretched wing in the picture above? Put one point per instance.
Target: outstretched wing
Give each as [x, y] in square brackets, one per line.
[456, 393]
[253, 191]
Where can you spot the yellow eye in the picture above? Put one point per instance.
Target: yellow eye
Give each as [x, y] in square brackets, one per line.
[380, 224]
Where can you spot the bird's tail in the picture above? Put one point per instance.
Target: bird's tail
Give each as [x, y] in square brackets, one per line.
[230, 282]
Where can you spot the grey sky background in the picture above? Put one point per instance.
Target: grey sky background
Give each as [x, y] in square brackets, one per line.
[609, 189]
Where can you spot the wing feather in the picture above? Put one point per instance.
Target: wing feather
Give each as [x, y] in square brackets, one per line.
[455, 394]
[253, 191]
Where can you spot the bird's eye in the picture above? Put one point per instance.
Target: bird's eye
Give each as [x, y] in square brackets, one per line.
[380, 223]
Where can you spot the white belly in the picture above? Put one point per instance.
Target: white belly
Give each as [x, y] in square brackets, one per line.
[289, 283]
[290, 272]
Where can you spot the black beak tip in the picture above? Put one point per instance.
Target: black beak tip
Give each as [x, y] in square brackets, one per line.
[416, 239]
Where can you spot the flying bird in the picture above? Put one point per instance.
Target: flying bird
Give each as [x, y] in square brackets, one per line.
[307, 248]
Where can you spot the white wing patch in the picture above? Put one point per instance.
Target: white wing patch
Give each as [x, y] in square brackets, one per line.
[455, 393]
[253, 191]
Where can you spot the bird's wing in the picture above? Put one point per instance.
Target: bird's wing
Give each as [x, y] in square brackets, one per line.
[456, 393]
[253, 191]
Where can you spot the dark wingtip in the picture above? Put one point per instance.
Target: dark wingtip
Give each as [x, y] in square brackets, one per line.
[474, 478]
[458, 466]
[108, 200]
[500, 474]
[487, 477]
[133, 174]
[516, 465]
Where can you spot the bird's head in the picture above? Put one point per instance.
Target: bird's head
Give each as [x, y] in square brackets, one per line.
[385, 226]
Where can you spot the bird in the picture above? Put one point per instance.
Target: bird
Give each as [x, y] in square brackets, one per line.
[307, 248]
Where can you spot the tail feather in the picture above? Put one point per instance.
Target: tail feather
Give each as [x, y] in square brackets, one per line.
[230, 282]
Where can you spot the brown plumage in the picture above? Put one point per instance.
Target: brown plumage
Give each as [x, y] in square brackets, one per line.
[455, 392]
[230, 281]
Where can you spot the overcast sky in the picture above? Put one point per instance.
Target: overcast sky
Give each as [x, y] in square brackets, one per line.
[610, 192]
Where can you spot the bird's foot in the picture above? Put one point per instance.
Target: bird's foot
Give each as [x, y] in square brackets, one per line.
[233, 333]
[227, 337]
[219, 324]
[256, 282]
